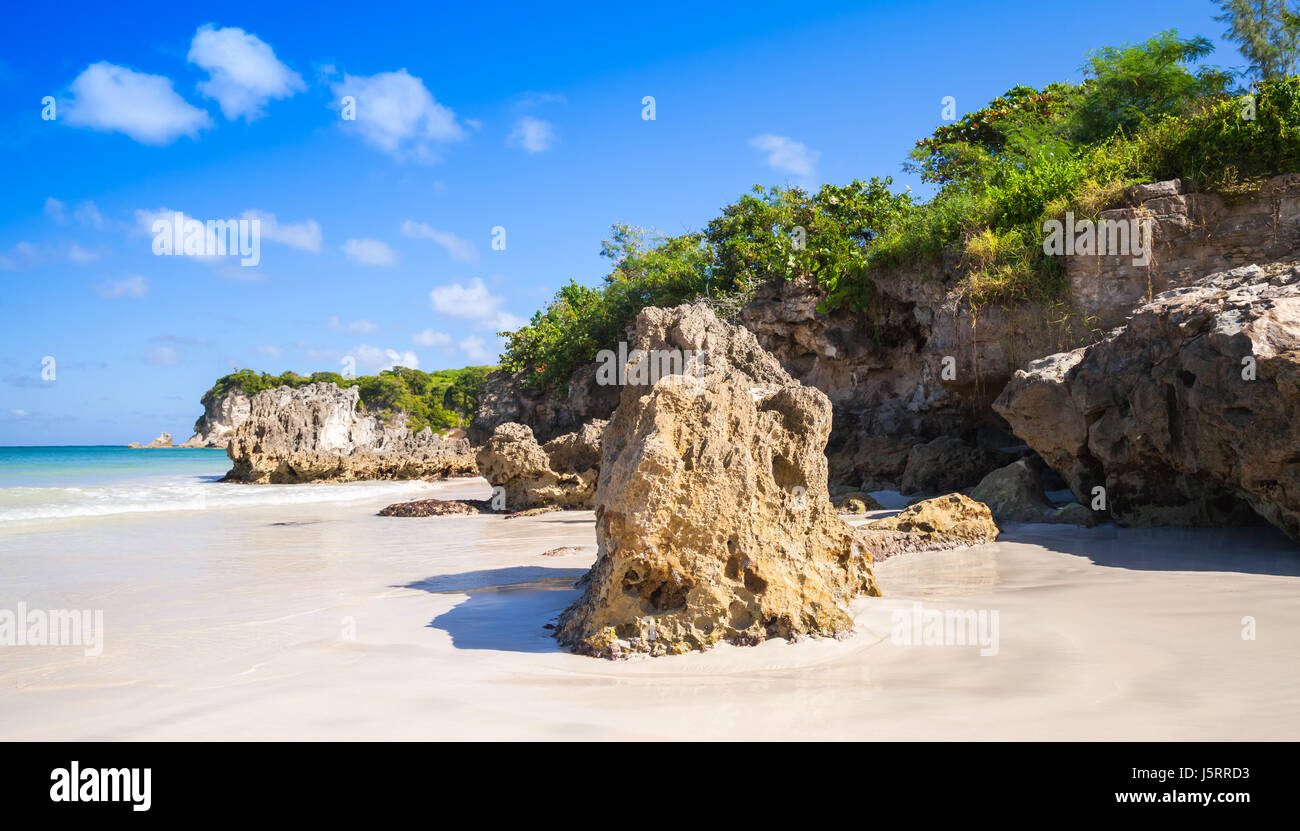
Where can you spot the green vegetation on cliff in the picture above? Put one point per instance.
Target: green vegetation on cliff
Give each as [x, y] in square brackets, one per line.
[1142, 114]
[438, 400]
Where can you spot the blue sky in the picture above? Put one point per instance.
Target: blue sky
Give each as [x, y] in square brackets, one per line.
[376, 233]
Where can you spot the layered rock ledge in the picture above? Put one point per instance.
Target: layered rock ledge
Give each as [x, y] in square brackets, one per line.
[315, 433]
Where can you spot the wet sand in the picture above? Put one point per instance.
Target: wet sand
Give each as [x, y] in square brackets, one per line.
[326, 621]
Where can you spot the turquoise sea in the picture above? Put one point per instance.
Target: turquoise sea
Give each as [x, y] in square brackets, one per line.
[44, 484]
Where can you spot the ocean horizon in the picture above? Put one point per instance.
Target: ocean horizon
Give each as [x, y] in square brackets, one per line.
[45, 484]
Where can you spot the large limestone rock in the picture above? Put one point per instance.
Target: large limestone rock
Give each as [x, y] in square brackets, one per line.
[562, 473]
[1187, 414]
[951, 521]
[1015, 493]
[713, 521]
[222, 415]
[314, 433]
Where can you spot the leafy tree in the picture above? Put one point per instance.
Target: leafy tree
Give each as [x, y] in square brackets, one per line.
[462, 396]
[1266, 32]
[1134, 84]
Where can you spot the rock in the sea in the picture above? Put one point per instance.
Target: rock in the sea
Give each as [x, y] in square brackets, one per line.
[713, 521]
[560, 474]
[1186, 415]
[163, 442]
[950, 521]
[314, 433]
[438, 507]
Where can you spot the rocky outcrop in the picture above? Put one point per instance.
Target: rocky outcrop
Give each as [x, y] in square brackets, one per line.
[314, 433]
[951, 521]
[918, 363]
[222, 415]
[562, 473]
[713, 521]
[438, 507]
[507, 398]
[1186, 414]
[1015, 493]
[163, 442]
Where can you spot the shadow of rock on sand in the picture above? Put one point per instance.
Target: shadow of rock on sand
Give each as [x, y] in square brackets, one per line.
[506, 608]
[1247, 550]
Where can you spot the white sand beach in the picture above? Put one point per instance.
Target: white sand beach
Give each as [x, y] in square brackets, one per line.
[324, 621]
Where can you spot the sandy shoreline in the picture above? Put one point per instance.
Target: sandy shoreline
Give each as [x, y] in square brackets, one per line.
[325, 621]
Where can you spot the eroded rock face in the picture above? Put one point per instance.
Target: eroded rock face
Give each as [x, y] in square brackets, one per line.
[1187, 414]
[713, 520]
[560, 474]
[951, 521]
[314, 433]
[1193, 234]
[506, 398]
[1015, 493]
[221, 416]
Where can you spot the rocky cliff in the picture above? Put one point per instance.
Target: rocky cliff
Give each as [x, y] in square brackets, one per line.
[222, 415]
[315, 433]
[912, 379]
[1186, 414]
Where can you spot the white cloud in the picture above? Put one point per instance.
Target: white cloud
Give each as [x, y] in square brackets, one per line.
[18, 413]
[396, 113]
[476, 349]
[786, 154]
[81, 256]
[532, 135]
[506, 322]
[458, 248]
[145, 107]
[473, 302]
[26, 255]
[245, 74]
[88, 214]
[305, 235]
[356, 327]
[271, 351]
[54, 209]
[428, 337]
[131, 286]
[374, 358]
[162, 356]
[369, 252]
